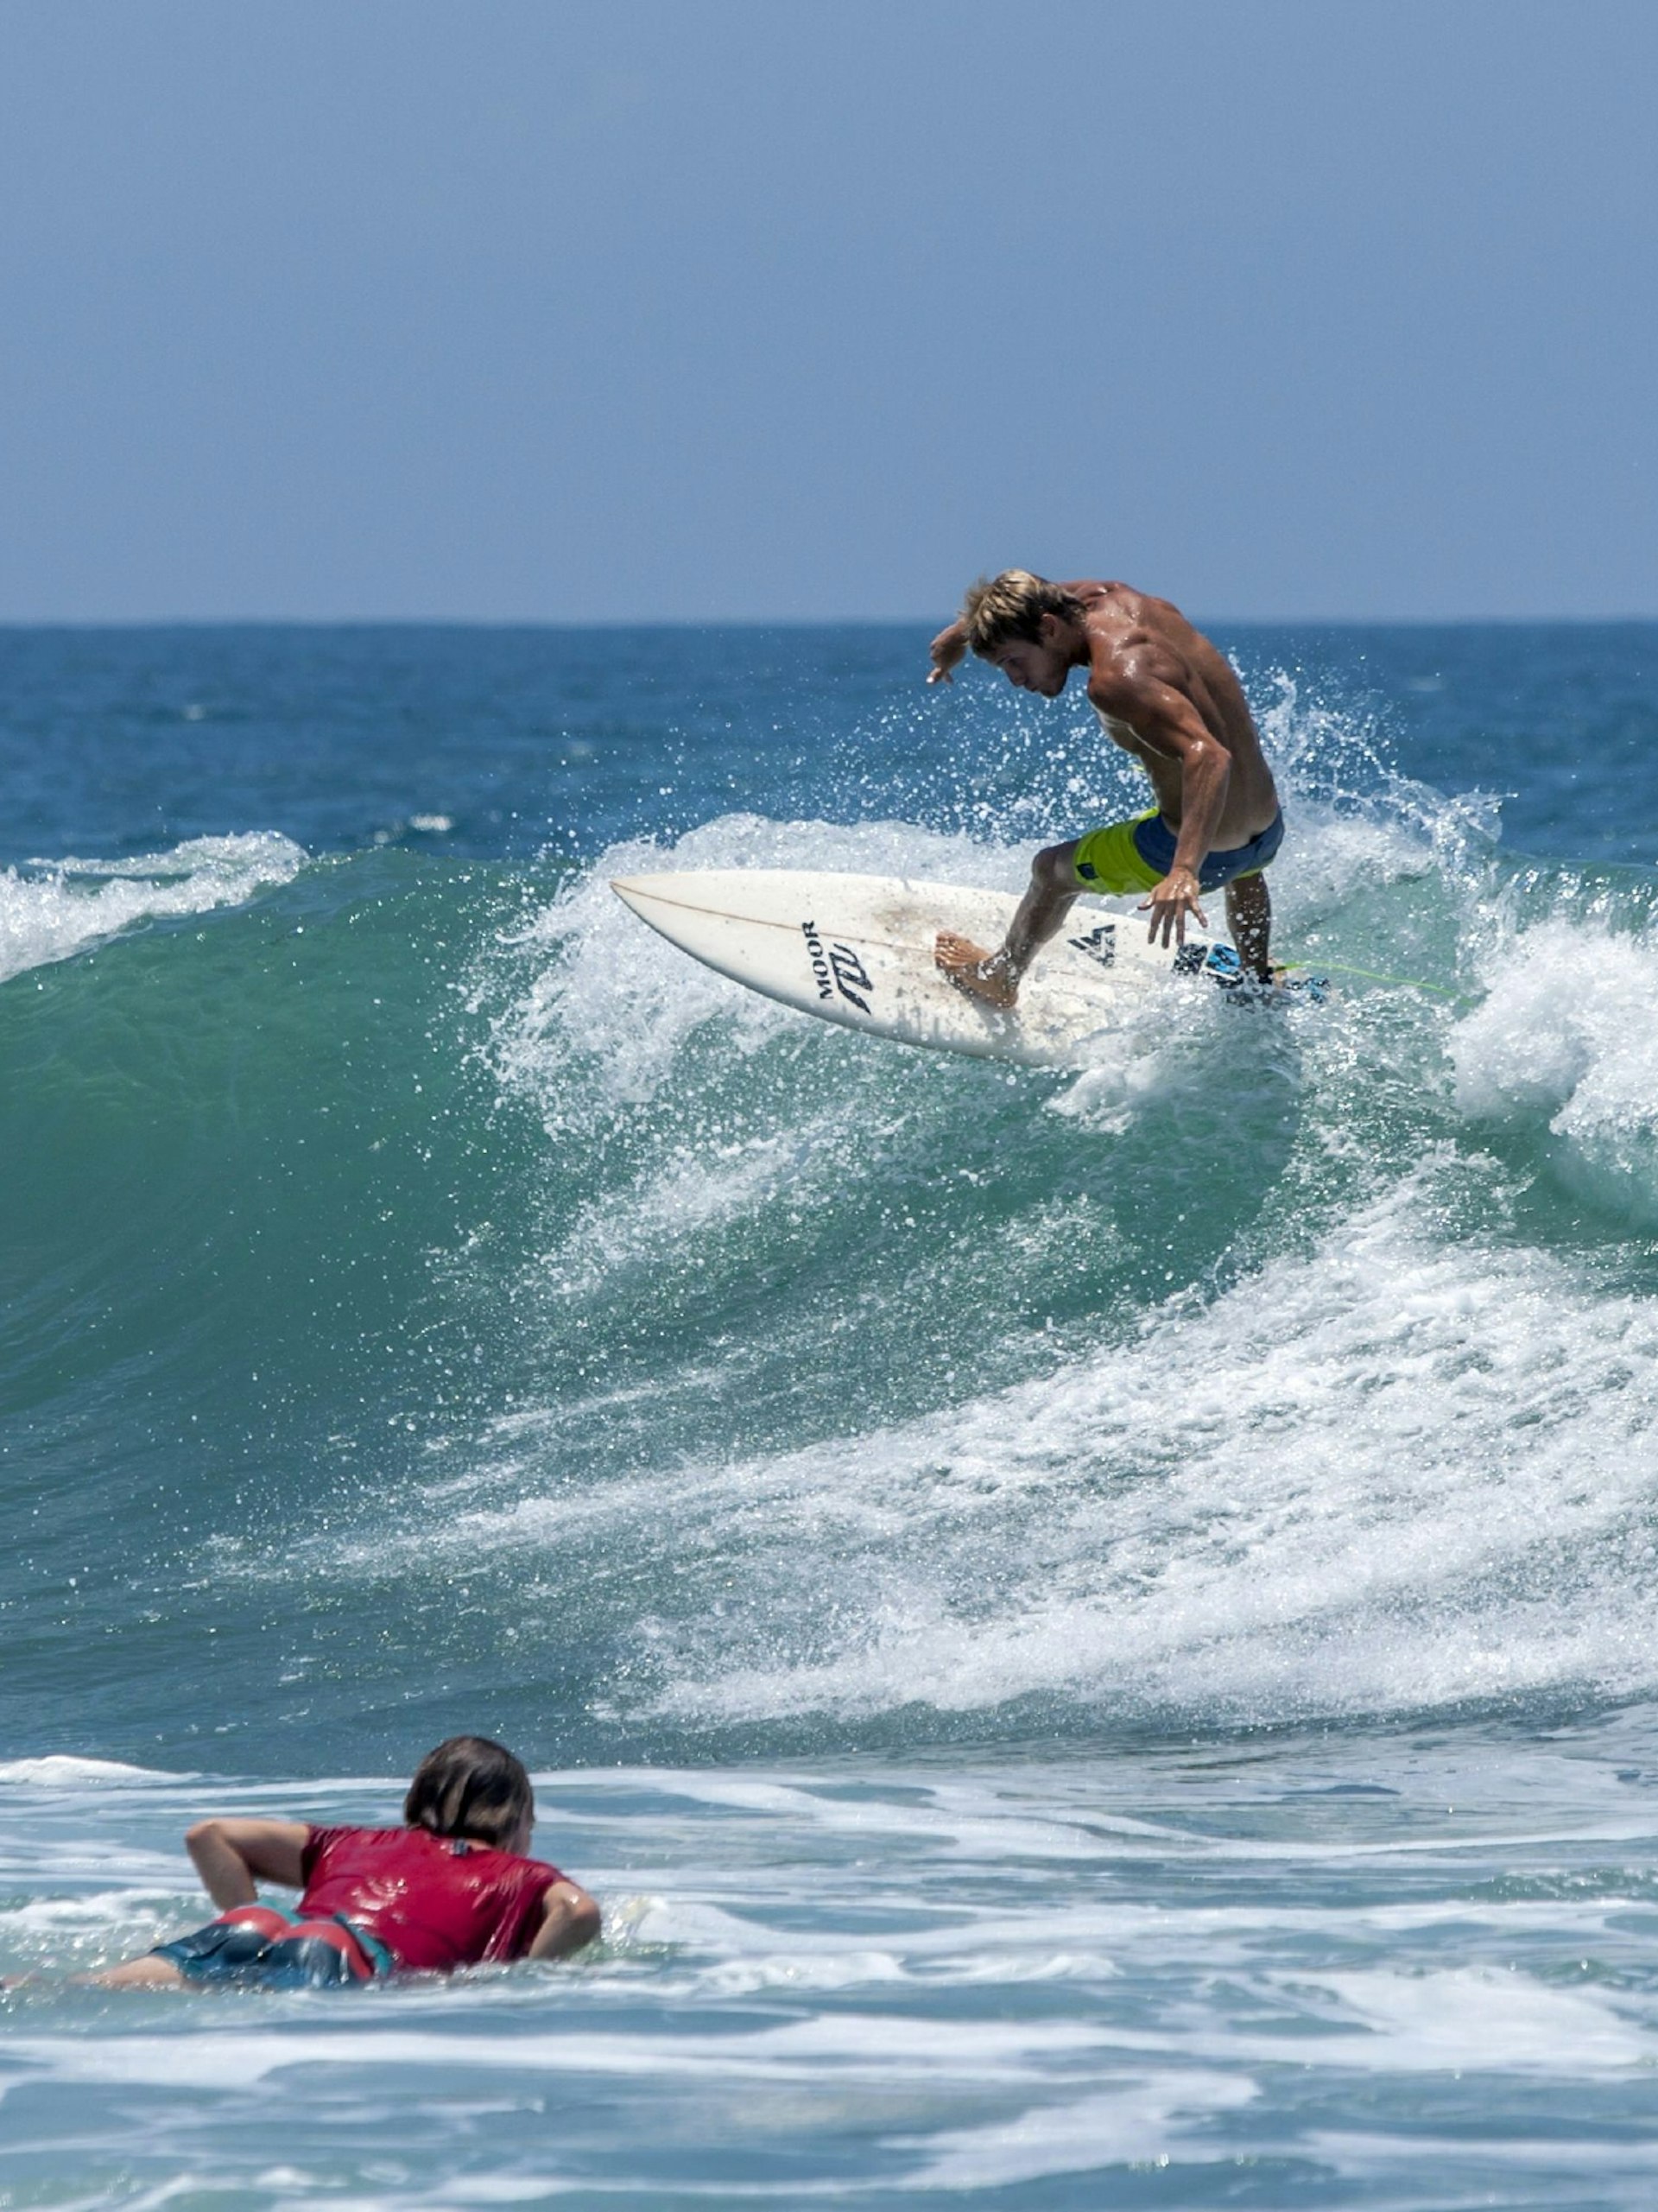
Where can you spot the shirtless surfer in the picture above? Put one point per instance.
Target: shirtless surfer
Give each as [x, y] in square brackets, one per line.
[1169, 697]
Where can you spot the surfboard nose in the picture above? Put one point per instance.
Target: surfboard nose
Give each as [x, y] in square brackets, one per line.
[640, 895]
[672, 885]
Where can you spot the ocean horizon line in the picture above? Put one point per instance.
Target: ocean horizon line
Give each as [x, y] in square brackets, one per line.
[103, 624]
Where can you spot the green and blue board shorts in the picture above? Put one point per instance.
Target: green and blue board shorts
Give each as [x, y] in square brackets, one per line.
[1132, 856]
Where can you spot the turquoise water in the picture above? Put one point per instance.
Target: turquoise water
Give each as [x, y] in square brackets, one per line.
[1092, 1633]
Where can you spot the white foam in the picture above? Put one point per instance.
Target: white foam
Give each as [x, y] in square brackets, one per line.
[63, 1770]
[1397, 1471]
[1476, 2019]
[95, 1911]
[1569, 1034]
[696, 1188]
[1401, 1468]
[1141, 2119]
[873, 2046]
[55, 908]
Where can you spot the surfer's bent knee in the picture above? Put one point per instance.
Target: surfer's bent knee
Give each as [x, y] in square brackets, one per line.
[1055, 868]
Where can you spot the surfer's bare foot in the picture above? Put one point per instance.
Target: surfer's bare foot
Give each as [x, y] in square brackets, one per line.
[973, 970]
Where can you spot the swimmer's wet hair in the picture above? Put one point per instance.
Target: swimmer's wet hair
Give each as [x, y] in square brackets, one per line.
[470, 1786]
[999, 609]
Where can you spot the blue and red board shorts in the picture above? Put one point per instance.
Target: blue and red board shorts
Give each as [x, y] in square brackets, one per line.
[273, 1947]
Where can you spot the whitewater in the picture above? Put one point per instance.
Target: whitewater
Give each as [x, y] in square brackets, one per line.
[1090, 1632]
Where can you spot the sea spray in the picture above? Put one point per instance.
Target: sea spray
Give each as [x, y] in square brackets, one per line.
[52, 909]
[1092, 1633]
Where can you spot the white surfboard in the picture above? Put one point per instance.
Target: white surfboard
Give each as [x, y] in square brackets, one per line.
[858, 950]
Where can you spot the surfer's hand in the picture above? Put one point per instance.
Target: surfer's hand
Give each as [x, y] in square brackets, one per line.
[946, 650]
[1169, 902]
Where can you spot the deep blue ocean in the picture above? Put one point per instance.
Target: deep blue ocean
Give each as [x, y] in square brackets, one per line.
[1093, 1634]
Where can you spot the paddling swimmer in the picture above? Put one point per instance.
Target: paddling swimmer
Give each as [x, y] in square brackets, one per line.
[450, 1888]
[1169, 696]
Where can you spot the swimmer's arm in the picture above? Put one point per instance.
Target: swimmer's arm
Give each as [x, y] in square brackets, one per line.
[569, 1919]
[232, 1855]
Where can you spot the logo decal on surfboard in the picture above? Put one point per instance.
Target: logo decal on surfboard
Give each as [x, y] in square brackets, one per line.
[1100, 944]
[1218, 960]
[838, 969]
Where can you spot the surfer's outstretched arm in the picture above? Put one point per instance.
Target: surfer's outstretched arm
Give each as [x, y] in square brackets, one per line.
[948, 649]
[995, 976]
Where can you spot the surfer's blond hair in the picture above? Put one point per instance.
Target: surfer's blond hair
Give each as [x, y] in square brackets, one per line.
[999, 609]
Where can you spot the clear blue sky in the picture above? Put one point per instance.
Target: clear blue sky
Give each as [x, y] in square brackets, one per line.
[705, 309]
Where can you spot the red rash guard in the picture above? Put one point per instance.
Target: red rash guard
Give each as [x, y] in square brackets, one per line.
[436, 1902]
